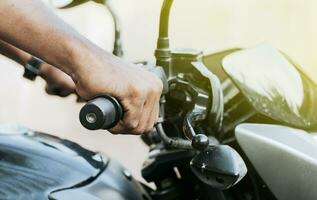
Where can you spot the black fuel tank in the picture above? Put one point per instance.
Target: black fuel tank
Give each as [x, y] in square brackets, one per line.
[39, 166]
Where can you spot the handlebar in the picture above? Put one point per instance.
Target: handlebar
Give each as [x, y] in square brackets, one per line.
[104, 111]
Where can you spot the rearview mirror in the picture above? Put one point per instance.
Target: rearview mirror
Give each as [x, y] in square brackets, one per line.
[220, 167]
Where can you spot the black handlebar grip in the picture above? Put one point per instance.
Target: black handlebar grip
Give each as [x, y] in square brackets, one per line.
[102, 112]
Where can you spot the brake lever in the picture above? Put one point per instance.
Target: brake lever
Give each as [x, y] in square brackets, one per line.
[197, 141]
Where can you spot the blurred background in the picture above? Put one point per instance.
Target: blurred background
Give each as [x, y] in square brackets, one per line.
[209, 25]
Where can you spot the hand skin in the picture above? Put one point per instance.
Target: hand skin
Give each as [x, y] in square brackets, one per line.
[57, 82]
[30, 26]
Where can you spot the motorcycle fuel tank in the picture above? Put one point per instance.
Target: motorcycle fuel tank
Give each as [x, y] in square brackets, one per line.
[38, 166]
[274, 86]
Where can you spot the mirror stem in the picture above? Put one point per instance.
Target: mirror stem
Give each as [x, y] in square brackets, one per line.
[163, 53]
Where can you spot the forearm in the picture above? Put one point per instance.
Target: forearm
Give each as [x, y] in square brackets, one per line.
[30, 26]
[22, 58]
[14, 53]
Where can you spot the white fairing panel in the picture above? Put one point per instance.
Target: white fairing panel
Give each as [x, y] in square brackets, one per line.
[285, 158]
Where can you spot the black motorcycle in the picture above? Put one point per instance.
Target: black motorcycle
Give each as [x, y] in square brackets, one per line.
[194, 153]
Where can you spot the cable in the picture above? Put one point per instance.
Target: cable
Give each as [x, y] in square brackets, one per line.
[172, 142]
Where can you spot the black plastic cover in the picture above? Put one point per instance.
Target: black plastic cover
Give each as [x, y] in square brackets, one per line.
[32, 164]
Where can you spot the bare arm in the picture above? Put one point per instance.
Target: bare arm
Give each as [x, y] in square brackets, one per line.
[57, 82]
[30, 26]
[13, 53]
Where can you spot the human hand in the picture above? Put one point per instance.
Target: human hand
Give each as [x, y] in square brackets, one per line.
[57, 82]
[136, 89]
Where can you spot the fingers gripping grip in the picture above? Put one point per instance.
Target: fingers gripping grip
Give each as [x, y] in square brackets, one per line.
[104, 112]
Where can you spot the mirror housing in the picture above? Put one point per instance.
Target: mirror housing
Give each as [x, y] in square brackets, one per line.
[220, 167]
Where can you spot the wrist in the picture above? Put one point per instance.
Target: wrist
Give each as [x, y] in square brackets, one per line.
[78, 59]
[85, 59]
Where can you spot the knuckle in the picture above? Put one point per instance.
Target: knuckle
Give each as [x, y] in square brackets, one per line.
[137, 105]
[142, 128]
[154, 91]
[136, 91]
[132, 124]
[158, 91]
[158, 88]
[132, 104]
[151, 91]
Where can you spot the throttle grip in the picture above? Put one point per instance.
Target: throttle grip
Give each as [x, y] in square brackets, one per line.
[102, 112]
